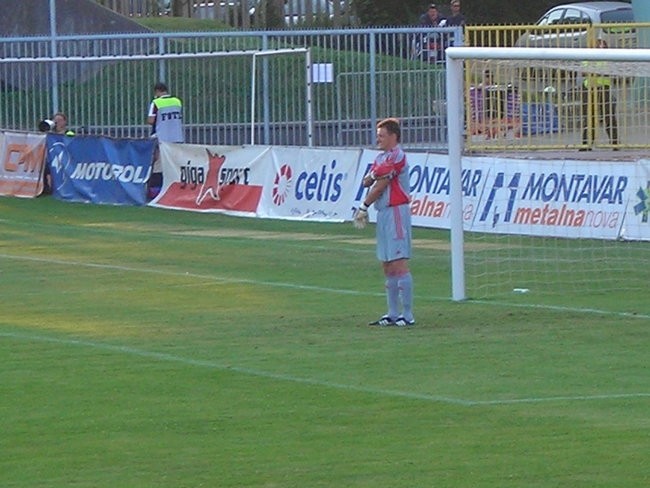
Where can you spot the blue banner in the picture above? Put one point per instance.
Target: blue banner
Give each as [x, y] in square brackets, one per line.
[99, 169]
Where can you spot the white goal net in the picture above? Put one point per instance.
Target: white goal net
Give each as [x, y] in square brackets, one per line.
[566, 228]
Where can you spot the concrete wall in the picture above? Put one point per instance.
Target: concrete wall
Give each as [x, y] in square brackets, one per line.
[73, 17]
[32, 18]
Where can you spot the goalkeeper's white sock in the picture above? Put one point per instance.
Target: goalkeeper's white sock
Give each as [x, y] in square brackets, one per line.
[405, 284]
[392, 296]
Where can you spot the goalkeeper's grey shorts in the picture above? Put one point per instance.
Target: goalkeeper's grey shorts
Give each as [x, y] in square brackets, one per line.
[394, 233]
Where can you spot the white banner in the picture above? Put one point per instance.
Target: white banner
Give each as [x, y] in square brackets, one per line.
[310, 184]
[226, 179]
[577, 199]
[21, 166]
[572, 199]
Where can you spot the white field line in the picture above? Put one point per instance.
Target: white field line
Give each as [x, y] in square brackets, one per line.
[158, 356]
[296, 286]
[212, 278]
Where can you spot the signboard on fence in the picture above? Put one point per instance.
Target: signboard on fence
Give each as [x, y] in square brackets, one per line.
[21, 166]
[99, 169]
[573, 199]
[310, 184]
[226, 179]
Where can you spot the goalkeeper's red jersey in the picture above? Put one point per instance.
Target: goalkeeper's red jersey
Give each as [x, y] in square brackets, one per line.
[392, 164]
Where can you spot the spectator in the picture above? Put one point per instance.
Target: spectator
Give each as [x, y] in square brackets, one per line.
[430, 47]
[598, 103]
[431, 18]
[456, 18]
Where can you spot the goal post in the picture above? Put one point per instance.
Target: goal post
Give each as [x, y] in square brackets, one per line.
[584, 63]
[266, 53]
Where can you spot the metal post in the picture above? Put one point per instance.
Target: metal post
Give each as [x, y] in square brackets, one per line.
[309, 109]
[455, 127]
[253, 76]
[372, 71]
[54, 54]
[266, 94]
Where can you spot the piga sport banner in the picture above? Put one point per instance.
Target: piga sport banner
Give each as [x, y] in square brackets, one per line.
[21, 168]
[99, 169]
[310, 184]
[226, 179]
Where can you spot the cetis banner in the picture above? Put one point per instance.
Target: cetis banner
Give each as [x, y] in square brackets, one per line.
[310, 184]
[21, 168]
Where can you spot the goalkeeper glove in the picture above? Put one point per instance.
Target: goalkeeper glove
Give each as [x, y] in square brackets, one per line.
[361, 217]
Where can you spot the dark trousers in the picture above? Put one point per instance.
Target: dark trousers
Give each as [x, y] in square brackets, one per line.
[603, 108]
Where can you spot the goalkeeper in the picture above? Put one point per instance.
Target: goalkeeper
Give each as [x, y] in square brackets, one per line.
[388, 183]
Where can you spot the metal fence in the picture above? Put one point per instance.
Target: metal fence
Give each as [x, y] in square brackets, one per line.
[104, 84]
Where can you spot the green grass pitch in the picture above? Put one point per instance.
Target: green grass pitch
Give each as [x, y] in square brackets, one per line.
[148, 348]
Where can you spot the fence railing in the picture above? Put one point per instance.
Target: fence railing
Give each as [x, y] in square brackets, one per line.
[362, 76]
[106, 84]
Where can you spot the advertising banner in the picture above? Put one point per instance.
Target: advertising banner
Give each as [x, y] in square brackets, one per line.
[21, 168]
[99, 169]
[429, 187]
[637, 221]
[310, 184]
[576, 199]
[571, 199]
[226, 179]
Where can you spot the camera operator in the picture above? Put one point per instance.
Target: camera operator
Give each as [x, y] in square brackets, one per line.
[57, 125]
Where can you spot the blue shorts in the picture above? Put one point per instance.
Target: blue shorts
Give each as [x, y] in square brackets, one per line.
[394, 233]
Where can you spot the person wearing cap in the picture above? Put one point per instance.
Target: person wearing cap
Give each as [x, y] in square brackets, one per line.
[456, 18]
[598, 103]
[432, 17]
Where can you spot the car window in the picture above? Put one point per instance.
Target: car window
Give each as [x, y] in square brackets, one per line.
[552, 18]
[575, 16]
[618, 15]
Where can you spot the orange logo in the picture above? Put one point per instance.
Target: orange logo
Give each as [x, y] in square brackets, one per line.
[30, 157]
[211, 186]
